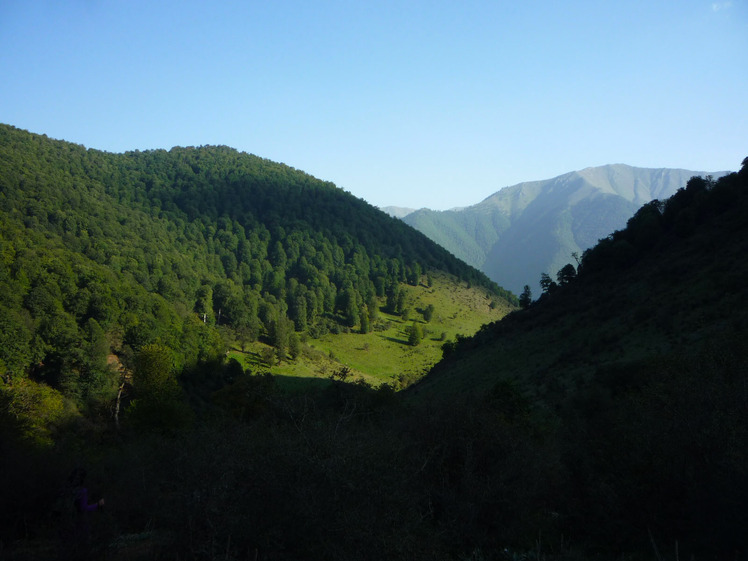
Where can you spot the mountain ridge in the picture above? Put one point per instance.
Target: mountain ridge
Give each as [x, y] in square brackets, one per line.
[533, 227]
[397, 211]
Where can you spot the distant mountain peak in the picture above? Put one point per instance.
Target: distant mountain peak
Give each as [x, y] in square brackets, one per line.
[397, 211]
[529, 228]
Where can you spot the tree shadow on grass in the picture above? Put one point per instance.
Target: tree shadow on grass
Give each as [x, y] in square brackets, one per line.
[395, 340]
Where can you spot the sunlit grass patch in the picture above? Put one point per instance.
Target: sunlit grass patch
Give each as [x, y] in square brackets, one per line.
[383, 355]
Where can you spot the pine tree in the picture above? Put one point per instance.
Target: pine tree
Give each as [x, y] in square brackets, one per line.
[415, 334]
[525, 298]
[365, 327]
[428, 313]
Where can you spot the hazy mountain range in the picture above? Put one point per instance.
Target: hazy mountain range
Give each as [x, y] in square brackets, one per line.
[534, 227]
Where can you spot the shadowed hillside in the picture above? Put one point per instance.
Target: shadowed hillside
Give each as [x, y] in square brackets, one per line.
[635, 369]
[669, 278]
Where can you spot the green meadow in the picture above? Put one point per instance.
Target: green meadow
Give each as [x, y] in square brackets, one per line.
[384, 355]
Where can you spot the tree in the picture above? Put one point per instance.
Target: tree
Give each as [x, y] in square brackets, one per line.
[428, 313]
[35, 408]
[349, 307]
[414, 274]
[280, 331]
[278, 256]
[247, 331]
[644, 229]
[15, 344]
[298, 312]
[294, 346]
[373, 309]
[415, 334]
[98, 382]
[566, 274]
[525, 298]
[393, 296]
[547, 283]
[365, 326]
[159, 403]
[154, 365]
[401, 299]
[204, 303]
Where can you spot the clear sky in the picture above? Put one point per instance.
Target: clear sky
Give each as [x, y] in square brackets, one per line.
[408, 103]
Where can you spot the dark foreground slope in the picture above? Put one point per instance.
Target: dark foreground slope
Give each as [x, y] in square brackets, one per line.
[635, 375]
[672, 279]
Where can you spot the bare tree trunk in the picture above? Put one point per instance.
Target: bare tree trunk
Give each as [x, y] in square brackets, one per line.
[117, 404]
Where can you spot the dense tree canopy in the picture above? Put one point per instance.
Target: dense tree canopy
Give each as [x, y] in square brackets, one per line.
[107, 253]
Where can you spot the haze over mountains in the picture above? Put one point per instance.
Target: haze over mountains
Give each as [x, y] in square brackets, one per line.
[530, 228]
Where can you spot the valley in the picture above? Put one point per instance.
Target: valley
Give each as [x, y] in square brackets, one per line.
[251, 363]
[384, 355]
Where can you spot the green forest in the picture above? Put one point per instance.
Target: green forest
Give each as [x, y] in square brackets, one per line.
[605, 419]
[190, 249]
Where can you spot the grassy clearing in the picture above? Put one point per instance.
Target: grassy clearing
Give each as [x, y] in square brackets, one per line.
[383, 355]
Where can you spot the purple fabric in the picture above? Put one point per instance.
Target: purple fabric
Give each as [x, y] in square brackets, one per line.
[81, 501]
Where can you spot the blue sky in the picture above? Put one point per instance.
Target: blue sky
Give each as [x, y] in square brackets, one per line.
[413, 104]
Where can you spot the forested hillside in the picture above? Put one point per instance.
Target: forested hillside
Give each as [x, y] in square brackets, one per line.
[629, 373]
[608, 419]
[190, 249]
